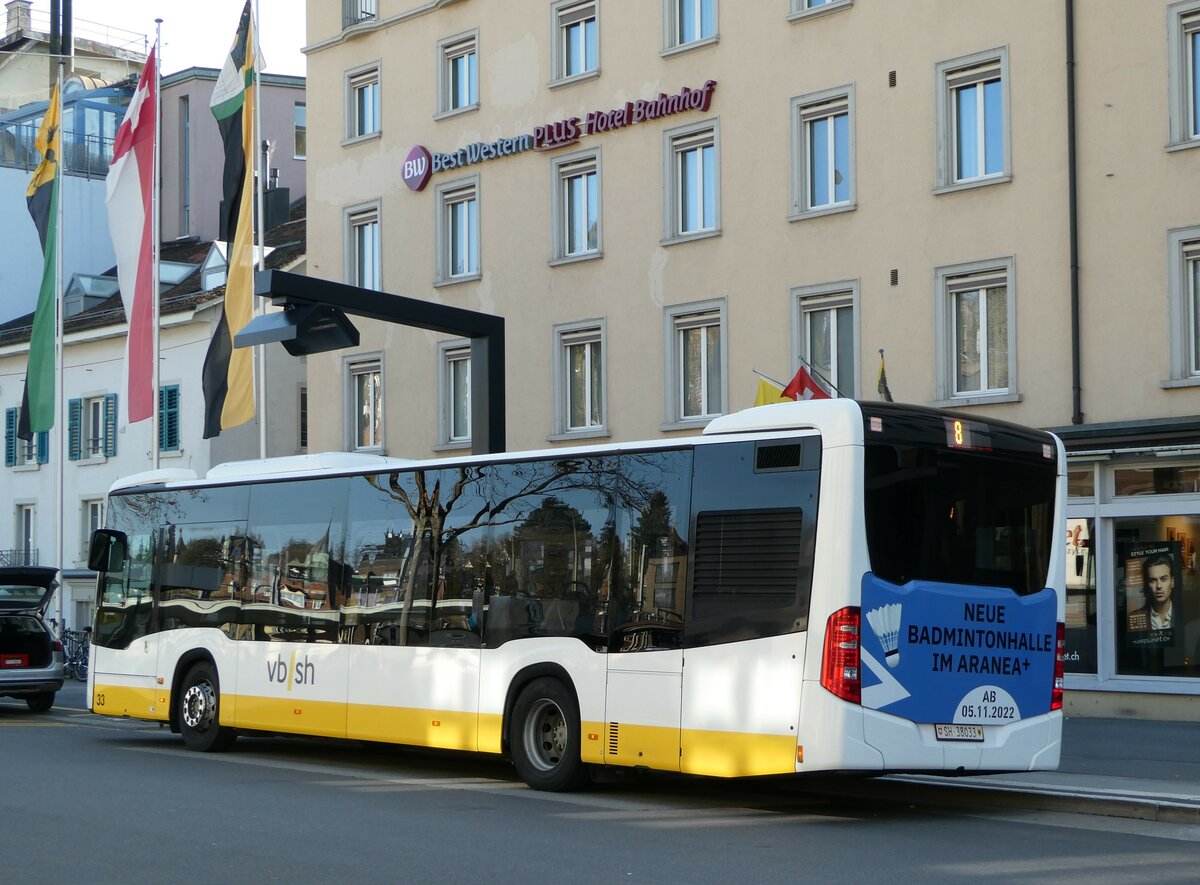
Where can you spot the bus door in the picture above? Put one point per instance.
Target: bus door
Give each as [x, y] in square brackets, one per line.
[125, 648]
[645, 611]
[754, 509]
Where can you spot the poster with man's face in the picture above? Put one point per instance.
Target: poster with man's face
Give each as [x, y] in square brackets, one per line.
[1152, 582]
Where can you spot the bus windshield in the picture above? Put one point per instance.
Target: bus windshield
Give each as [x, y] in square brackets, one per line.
[976, 511]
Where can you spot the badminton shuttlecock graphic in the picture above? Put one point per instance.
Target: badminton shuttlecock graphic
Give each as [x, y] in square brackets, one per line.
[885, 621]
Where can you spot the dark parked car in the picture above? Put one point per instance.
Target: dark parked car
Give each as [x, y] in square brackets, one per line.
[31, 659]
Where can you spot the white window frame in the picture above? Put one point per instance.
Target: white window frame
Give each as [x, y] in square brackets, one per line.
[678, 318]
[677, 142]
[91, 517]
[447, 198]
[673, 41]
[297, 129]
[360, 220]
[354, 368]
[450, 352]
[949, 281]
[806, 9]
[566, 336]
[355, 80]
[955, 74]
[562, 169]
[91, 429]
[25, 530]
[449, 50]
[1183, 252]
[805, 110]
[26, 451]
[1183, 21]
[564, 15]
[807, 300]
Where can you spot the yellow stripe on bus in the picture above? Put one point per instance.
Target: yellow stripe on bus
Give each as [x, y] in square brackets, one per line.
[125, 700]
[732, 754]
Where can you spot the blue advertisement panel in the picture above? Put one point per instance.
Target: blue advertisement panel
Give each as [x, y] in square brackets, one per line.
[946, 653]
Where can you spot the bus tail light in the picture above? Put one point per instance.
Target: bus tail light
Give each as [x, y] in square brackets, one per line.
[840, 661]
[1060, 657]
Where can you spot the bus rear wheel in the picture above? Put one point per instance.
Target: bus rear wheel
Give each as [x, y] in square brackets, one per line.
[544, 737]
[200, 713]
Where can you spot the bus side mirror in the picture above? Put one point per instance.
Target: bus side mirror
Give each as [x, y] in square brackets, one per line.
[108, 550]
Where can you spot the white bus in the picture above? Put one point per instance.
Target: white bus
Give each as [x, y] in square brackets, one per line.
[806, 587]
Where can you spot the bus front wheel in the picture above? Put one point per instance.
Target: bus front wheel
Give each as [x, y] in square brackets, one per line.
[200, 713]
[544, 737]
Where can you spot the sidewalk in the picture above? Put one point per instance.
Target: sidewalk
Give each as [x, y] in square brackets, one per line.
[1117, 767]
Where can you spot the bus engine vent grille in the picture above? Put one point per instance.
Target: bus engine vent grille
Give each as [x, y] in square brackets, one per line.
[748, 554]
[778, 457]
[613, 738]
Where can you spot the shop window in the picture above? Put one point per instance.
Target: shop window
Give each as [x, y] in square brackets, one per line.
[1181, 479]
[1157, 596]
[1081, 596]
[1081, 482]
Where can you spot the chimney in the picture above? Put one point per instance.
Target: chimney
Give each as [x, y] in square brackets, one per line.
[18, 16]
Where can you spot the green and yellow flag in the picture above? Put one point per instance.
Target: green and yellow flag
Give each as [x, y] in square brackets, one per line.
[37, 402]
[228, 376]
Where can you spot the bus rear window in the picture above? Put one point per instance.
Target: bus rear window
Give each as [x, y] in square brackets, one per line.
[937, 513]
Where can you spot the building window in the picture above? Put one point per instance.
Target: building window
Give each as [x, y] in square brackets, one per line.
[809, 8]
[693, 205]
[457, 205]
[823, 151]
[366, 402]
[92, 427]
[26, 520]
[454, 393]
[19, 452]
[168, 418]
[185, 166]
[91, 517]
[576, 211]
[458, 73]
[576, 38]
[579, 388]
[362, 246]
[826, 334]
[1183, 301]
[355, 11]
[300, 131]
[972, 108]
[1183, 30]
[362, 102]
[976, 322]
[696, 359]
[689, 23]
[303, 416]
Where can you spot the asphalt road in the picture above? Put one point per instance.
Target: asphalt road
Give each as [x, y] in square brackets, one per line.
[91, 799]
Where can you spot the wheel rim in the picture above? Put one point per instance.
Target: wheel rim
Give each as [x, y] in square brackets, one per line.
[199, 706]
[545, 735]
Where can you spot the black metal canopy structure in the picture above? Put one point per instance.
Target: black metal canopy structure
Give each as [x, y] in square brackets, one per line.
[314, 320]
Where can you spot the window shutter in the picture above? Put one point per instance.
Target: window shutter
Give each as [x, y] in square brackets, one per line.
[74, 429]
[10, 437]
[168, 418]
[110, 425]
[43, 447]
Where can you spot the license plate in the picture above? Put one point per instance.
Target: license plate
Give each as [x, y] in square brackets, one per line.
[958, 732]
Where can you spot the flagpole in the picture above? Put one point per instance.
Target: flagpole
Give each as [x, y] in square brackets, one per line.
[814, 371]
[59, 373]
[155, 242]
[260, 174]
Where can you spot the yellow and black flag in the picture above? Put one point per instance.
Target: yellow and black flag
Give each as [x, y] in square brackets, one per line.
[228, 377]
[37, 402]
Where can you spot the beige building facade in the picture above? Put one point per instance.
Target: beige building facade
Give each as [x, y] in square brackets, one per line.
[664, 198]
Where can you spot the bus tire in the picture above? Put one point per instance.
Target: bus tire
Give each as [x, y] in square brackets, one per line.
[40, 702]
[544, 737]
[200, 712]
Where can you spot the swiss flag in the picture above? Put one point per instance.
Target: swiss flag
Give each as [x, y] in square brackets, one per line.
[802, 386]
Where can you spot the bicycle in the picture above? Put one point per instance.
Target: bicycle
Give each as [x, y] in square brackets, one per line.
[76, 649]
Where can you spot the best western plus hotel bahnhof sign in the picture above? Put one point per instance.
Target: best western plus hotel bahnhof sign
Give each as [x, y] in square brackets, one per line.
[420, 164]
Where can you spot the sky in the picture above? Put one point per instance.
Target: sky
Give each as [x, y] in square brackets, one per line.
[193, 33]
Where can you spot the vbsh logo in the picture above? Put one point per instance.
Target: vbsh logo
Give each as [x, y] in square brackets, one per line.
[293, 672]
